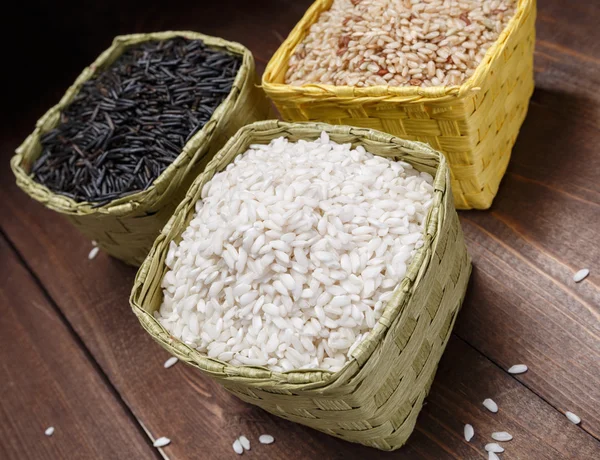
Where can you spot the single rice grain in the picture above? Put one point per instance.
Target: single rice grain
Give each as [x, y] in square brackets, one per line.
[170, 362]
[573, 418]
[237, 447]
[162, 442]
[469, 432]
[581, 275]
[494, 447]
[501, 436]
[490, 405]
[517, 369]
[266, 439]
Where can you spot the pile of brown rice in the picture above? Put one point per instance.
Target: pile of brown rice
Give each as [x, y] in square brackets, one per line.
[398, 42]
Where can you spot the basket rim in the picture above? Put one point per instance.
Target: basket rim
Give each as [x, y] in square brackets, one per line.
[320, 92]
[305, 378]
[142, 198]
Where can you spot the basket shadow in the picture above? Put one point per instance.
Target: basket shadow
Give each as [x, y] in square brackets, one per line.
[553, 169]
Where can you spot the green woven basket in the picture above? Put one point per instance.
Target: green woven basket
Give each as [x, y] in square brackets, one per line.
[126, 228]
[375, 399]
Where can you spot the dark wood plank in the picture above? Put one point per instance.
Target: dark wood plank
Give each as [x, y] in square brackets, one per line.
[47, 380]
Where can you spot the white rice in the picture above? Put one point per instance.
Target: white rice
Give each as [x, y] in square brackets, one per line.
[266, 439]
[245, 442]
[490, 405]
[170, 362]
[162, 442]
[49, 431]
[573, 418]
[469, 432]
[494, 447]
[93, 253]
[517, 369]
[293, 253]
[237, 447]
[493, 456]
[501, 436]
[581, 275]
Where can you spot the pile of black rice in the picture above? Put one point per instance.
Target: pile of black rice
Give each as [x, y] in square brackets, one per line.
[130, 121]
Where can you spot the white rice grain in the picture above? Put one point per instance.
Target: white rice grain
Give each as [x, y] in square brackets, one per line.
[245, 442]
[581, 275]
[49, 431]
[237, 447]
[494, 447]
[162, 442]
[469, 432]
[493, 456]
[501, 436]
[170, 362]
[490, 405]
[93, 253]
[517, 369]
[573, 418]
[266, 439]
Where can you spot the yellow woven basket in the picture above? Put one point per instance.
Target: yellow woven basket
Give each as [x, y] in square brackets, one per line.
[475, 124]
[126, 228]
[376, 397]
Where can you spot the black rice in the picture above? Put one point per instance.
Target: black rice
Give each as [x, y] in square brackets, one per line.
[129, 122]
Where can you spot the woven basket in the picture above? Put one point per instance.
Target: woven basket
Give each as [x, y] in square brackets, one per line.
[126, 228]
[375, 399]
[475, 124]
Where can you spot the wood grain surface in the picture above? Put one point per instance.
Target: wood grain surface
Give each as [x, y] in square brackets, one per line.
[46, 379]
[521, 307]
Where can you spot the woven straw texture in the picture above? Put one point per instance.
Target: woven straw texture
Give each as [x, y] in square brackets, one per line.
[375, 399]
[475, 125]
[126, 228]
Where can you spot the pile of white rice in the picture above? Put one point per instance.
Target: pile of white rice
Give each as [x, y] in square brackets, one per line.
[398, 42]
[293, 253]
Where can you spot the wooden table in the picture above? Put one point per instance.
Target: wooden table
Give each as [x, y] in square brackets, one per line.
[72, 355]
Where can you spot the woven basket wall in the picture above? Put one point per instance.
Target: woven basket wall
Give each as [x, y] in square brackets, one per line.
[475, 125]
[375, 399]
[126, 228]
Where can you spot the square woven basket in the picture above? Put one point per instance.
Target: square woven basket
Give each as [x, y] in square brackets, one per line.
[126, 228]
[376, 397]
[475, 124]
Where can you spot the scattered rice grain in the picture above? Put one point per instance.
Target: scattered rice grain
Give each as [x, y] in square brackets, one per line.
[581, 275]
[490, 405]
[573, 418]
[517, 369]
[494, 447]
[170, 362]
[237, 447]
[501, 436]
[469, 432]
[245, 442]
[162, 442]
[266, 439]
